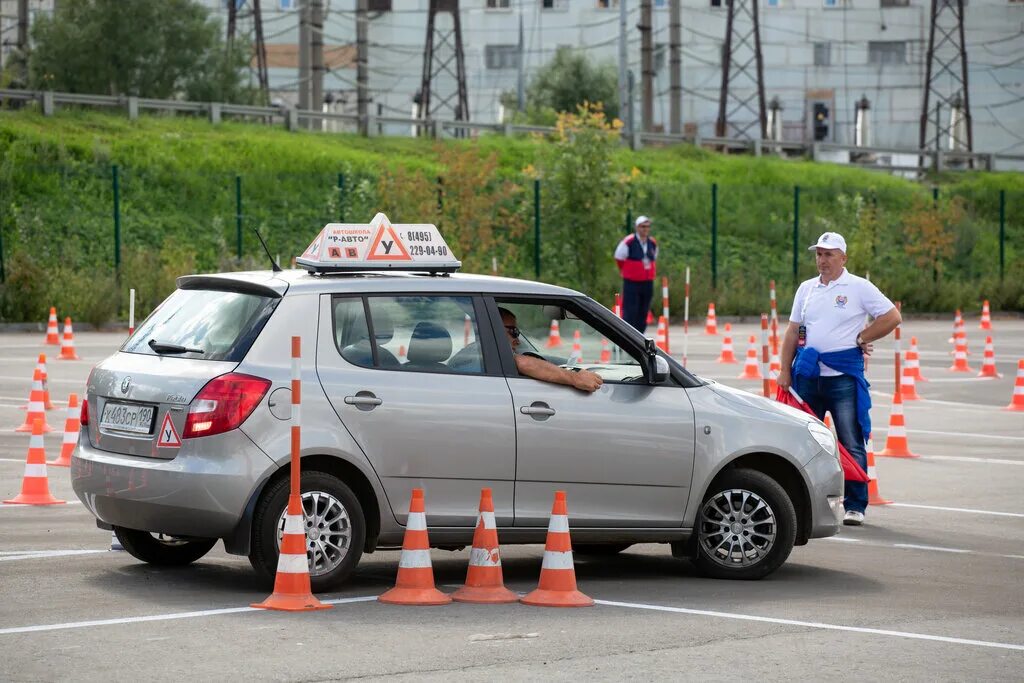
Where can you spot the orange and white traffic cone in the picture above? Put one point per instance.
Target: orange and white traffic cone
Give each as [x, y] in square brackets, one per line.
[874, 497]
[557, 586]
[661, 340]
[751, 368]
[484, 582]
[52, 334]
[41, 365]
[576, 355]
[988, 365]
[554, 336]
[35, 487]
[650, 318]
[958, 322]
[618, 305]
[711, 326]
[960, 358]
[908, 388]
[72, 425]
[67, 347]
[986, 316]
[913, 361]
[415, 583]
[774, 369]
[1017, 402]
[727, 355]
[35, 405]
[896, 440]
[606, 354]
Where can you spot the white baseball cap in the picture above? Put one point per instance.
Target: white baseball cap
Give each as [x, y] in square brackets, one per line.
[829, 240]
[640, 220]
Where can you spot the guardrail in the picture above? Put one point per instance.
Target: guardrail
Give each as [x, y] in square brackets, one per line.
[878, 158]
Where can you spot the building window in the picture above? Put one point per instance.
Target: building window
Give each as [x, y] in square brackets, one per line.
[554, 4]
[830, 3]
[379, 6]
[501, 56]
[607, 4]
[499, 4]
[659, 56]
[822, 54]
[895, 3]
[716, 3]
[286, 4]
[772, 3]
[887, 52]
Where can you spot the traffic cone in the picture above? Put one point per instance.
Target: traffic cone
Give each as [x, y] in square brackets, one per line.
[661, 340]
[958, 322]
[988, 365]
[1017, 402]
[913, 361]
[52, 334]
[874, 497]
[415, 583]
[554, 336]
[711, 326]
[650, 317]
[896, 441]
[576, 355]
[67, 347]
[557, 586]
[618, 305]
[35, 406]
[751, 369]
[774, 368]
[41, 365]
[908, 388]
[606, 354]
[960, 358]
[986, 316]
[72, 425]
[727, 355]
[484, 582]
[35, 487]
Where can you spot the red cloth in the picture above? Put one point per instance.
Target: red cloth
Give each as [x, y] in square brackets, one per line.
[851, 468]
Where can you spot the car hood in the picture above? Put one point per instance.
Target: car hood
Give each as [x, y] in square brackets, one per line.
[749, 400]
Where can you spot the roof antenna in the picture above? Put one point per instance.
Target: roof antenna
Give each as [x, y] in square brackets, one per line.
[273, 264]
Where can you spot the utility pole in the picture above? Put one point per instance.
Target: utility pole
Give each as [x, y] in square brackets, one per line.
[23, 26]
[520, 66]
[362, 62]
[624, 91]
[232, 20]
[304, 61]
[441, 49]
[945, 80]
[675, 89]
[260, 47]
[741, 106]
[316, 48]
[646, 64]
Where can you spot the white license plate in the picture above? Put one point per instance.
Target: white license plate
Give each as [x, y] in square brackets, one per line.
[127, 417]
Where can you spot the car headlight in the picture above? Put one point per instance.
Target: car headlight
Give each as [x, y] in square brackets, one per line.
[824, 437]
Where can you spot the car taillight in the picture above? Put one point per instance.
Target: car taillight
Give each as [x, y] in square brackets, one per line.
[223, 404]
[84, 419]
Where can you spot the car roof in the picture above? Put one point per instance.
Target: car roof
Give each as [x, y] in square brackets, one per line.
[294, 282]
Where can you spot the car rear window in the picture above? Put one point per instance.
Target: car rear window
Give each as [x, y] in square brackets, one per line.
[223, 324]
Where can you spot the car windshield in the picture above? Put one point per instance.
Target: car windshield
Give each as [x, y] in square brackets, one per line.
[211, 324]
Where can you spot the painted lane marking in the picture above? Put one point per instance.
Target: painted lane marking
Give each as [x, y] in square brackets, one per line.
[964, 458]
[48, 553]
[11, 506]
[814, 624]
[159, 617]
[973, 435]
[51, 380]
[914, 546]
[987, 407]
[948, 509]
[935, 548]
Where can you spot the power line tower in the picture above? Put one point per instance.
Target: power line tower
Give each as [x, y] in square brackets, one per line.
[240, 10]
[945, 81]
[442, 48]
[741, 108]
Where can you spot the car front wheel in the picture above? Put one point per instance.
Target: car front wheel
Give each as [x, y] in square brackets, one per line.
[745, 528]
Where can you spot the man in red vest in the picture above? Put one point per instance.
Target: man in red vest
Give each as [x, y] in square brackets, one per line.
[636, 257]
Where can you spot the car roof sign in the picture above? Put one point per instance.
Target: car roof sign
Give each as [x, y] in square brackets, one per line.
[378, 245]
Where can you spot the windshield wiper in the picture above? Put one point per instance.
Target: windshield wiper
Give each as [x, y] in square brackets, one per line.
[166, 347]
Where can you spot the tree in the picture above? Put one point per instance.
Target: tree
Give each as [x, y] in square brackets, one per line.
[569, 80]
[149, 48]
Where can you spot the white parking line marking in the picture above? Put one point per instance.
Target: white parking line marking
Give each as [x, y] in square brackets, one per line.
[964, 458]
[48, 553]
[972, 435]
[935, 548]
[914, 546]
[988, 407]
[946, 509]
[158, 617]
[814, 624]
[51, 380]
[12, 506]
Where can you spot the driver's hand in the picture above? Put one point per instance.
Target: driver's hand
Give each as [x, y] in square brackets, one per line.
[585, 380]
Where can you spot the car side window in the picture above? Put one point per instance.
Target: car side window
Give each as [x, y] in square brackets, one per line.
[351, 333]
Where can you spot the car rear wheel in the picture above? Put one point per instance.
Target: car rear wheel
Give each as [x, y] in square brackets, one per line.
[162, 550]
[745, 528]
[334, 523]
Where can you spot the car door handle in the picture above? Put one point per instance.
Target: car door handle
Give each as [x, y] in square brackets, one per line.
[364, 400]
[537, 409]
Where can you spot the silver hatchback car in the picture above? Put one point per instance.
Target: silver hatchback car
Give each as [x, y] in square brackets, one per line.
[410, 381]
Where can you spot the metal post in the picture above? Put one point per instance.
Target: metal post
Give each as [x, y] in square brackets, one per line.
[714, 236]
[117, 219]
[796, 232]
[341, 197]
[238, 214]
[1002, 236]
[935, 195]
[536, 227]
[3, 275]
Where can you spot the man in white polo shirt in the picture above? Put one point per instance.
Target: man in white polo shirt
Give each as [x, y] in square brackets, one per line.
[823, 352]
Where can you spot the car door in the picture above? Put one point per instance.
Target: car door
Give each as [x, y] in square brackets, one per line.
[623, 454]
[424, 397]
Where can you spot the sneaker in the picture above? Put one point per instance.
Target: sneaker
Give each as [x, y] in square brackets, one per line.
[853, 518]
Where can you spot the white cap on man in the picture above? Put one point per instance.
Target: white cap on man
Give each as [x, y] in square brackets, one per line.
[640, 220]
[829, 240]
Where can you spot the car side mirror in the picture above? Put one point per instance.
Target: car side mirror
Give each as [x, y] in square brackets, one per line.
[657, 366]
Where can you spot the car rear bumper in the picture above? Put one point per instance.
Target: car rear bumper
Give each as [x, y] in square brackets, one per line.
[825, 479]
[202, 492]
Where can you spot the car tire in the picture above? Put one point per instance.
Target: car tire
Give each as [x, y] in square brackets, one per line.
[162, 551]
[322, 494]
[600, 549]
[752, 513]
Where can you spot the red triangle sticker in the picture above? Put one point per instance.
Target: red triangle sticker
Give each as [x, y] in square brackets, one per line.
[168, 437]
[390, 249]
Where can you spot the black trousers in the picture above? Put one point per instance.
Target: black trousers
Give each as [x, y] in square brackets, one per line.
[636, 302]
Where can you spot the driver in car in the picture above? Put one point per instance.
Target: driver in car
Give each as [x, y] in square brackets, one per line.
[533, 366]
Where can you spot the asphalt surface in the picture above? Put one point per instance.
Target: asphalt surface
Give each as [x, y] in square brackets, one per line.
[929, 589]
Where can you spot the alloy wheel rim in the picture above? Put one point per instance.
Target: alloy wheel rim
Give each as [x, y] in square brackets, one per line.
[737, 528]
[328, 531]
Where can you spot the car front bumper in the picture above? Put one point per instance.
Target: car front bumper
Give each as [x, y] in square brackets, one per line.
[825, 488]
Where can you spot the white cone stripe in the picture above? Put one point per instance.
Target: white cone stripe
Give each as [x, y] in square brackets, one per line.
[559, 524]
[872, 474]
[488, 519]
[897, 430]
[75, 413]
[70, 436]
[482, 557]
[36, 441]
[414, 559]
[35, 406]
[1018, 391]
[417, 521]
[557, 560]
[292, 564]
[293, 525]
[33, 470]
